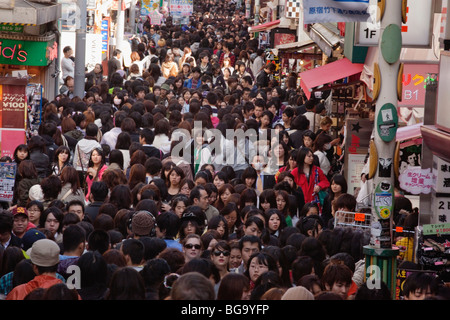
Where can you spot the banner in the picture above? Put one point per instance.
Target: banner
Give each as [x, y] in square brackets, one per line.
[335, 11]
[13, 105]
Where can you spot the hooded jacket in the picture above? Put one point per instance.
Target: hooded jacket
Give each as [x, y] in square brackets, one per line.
[82, 153]
[41, 281]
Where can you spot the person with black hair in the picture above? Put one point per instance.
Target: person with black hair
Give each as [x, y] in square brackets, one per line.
[110, 137]
[38, 154]
[98, 240]
[154, 273]
[7, 237]
[249, 245]
[167, 226]
[114, 64]
[153, 167]
[146, 137]
[99, 193]
[74, 243]
[93, 283]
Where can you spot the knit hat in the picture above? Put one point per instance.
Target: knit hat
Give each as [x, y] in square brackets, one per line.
[30, 237]
[35, 193]
[44, 253]
[297, 293]
[142, 223]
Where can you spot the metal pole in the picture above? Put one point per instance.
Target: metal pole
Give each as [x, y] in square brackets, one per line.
[80, 54]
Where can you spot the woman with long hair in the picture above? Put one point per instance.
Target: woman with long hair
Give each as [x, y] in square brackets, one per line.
[96, 168]
[61, 160]
[176, 175]
[290, 164]
[20, 153]
[309, 177]
[137, 175]
[28, 178]
[338, 186]
[223, 196]
[71, 187]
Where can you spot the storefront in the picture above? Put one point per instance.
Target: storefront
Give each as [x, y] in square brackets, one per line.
[29, 44]
[30, 57]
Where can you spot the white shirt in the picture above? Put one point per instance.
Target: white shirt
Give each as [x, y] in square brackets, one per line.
[67, 67]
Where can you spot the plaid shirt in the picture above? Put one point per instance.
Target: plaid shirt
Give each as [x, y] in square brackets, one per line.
[6, 282]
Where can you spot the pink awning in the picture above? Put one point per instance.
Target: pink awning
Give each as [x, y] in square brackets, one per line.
[265, 26]
[328, 73]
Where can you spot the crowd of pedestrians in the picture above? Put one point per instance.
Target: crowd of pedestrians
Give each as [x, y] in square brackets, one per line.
[139, 185]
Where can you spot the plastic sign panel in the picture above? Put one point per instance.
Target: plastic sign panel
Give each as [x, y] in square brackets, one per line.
[387, 122]
[416, 32]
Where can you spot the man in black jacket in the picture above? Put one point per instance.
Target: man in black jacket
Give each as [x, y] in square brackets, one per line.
[114, 63]
[99, 192]
[263, 78]
[7, 238]
[146, 138]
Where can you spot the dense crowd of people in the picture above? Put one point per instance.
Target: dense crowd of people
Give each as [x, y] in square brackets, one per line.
[139, 185]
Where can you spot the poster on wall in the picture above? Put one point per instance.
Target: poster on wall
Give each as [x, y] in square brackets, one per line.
[264, 39]
[283, 38]
[181, 10]
[13, 106]
[7, 179]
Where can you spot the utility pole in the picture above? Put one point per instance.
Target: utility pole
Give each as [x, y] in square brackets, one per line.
[132, 22]
[381, 258]
[80, 54]
[120, 27]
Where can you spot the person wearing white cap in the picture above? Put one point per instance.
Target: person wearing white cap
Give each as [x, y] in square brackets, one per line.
[44, 256]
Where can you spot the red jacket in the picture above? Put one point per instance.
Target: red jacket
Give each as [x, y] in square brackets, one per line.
[41, 281]
[308, 186]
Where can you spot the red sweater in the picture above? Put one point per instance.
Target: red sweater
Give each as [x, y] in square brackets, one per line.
[307, 185]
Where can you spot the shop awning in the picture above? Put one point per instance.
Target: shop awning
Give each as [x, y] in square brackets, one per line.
[328, 73]
[295, 46]
[437, 141]
[30, 13]
[409, 135]
[265, 26]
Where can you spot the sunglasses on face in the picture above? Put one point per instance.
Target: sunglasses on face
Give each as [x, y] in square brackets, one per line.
[218, 253]
[190, 246]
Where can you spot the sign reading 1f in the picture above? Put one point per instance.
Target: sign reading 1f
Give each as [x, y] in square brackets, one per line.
[416, 32]
[370, 33]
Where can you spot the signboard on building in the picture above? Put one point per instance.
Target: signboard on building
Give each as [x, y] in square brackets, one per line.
[27, 53]
[335, 11]
[181, 10]
[13, 113]
[416, 32]
[414, 79]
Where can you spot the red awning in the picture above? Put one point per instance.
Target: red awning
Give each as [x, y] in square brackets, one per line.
[330, 72]
[265, 26]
